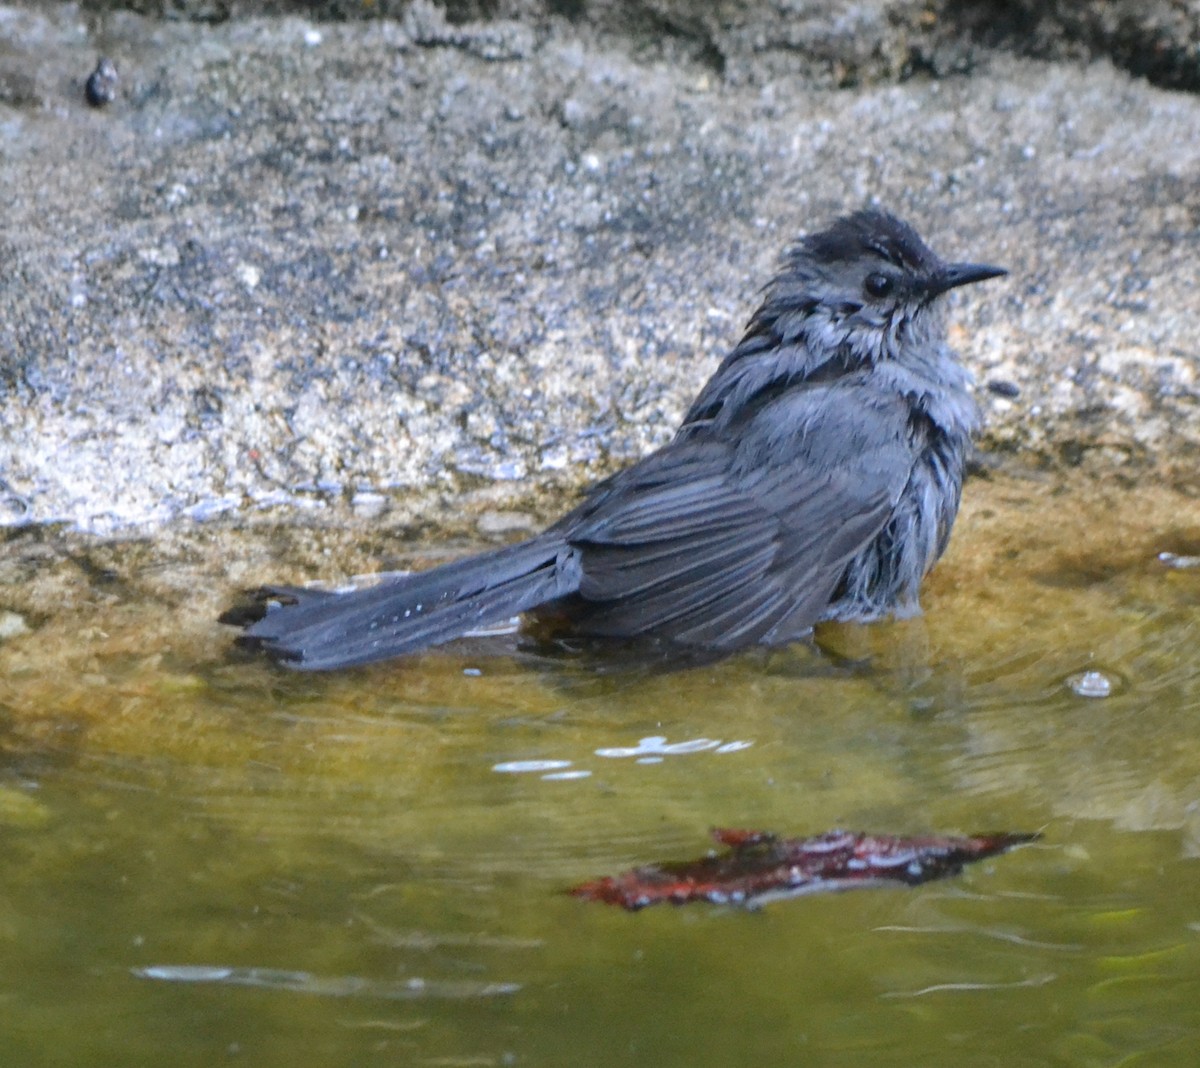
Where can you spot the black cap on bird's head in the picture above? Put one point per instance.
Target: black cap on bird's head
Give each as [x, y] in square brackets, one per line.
[871, 233]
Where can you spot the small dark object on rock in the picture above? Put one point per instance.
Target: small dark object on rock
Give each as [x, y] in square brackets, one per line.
[761, 867]
[101, 87]
[1002, 388]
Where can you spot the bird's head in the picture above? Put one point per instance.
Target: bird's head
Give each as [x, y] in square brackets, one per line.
[867, 283]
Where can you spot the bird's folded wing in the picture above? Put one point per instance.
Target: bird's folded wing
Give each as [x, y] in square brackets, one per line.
[722, 544]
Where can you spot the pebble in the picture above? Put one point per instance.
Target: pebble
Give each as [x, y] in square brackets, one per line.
[101, 86]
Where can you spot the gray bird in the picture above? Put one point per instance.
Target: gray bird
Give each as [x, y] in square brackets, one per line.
[816, 477]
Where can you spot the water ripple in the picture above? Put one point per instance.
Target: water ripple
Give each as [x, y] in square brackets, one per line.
[338, 986]
[939, 988]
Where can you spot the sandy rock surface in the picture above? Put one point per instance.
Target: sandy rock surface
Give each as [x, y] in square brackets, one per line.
[416, 265]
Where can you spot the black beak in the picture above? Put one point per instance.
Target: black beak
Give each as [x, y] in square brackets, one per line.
[953, 275]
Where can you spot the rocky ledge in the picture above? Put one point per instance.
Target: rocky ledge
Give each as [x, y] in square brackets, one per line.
[435, 262]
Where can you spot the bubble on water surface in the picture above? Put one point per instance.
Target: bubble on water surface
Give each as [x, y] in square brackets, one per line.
[1090, 684]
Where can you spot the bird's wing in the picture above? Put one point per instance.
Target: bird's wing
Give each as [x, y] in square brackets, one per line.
[718, 543]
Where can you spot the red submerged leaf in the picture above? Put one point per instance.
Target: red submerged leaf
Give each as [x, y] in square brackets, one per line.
[761, 867]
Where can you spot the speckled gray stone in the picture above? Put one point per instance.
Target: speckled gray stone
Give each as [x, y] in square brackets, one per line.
[429, 267]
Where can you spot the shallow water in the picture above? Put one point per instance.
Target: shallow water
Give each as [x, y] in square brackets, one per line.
[210, 860]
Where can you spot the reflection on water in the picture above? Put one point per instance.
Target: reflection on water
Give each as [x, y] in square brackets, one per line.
[941, 988]
[338, 986]
[209, 859]
[650, 750]
[656, 747]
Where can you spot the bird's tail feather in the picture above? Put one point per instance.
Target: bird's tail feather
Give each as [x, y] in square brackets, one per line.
[316, 630]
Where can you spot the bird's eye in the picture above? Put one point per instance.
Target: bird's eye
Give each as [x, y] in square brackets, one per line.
[878, 285]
